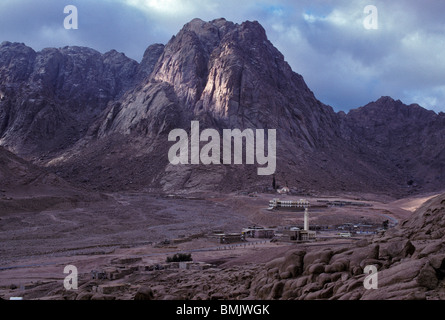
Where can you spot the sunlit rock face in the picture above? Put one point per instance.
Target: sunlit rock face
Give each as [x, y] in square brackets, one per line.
[72, 107]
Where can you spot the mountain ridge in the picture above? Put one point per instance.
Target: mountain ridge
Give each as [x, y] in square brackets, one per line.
[224, 75]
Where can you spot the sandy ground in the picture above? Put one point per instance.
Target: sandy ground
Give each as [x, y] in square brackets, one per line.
[35, 246]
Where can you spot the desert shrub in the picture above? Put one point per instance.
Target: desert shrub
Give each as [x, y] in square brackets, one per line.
[178, 257]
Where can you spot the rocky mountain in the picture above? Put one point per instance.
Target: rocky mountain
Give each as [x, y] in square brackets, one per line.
[16, 172]
[407, 138]
[225, 76]
[50, 98]
[102, 120]
[26, 187]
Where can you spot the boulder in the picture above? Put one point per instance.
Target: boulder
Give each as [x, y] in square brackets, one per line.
[398, 281]
[374, 262]
[322, 256]
[293, 262]
[338, 266]
[397, 291]
[285, 275]
[324, 278]
[144, 293]
[277, 290]
[275, 264]
[336, 276]
[401, 272]
[427, 277]
[99, 296]
[312, 287]
[111, 288]
[290, 290]
[84, 296]
[438, 262]
[200, 296]
[316, 268]
[353, 258]
[399, 249]
[302, 281]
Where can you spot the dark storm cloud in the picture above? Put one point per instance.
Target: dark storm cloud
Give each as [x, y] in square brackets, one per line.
[343, 63]
[103, 25]
[347, 65]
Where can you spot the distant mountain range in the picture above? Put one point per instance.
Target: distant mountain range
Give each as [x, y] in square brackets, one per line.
[102, 120]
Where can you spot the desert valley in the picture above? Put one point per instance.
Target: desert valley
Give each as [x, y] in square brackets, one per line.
[87, 180]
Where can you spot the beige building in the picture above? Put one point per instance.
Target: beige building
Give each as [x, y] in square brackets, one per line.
[258, 232]
[225, 238]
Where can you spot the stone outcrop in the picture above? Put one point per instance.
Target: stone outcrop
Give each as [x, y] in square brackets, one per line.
[406, 138]
[50, 98]
[408, 269]
[411, 266]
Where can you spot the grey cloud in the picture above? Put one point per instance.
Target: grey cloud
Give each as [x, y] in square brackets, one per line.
[345, 65]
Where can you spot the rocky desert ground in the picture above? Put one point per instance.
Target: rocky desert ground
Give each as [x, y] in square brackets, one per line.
[119, 244]
[86, 179]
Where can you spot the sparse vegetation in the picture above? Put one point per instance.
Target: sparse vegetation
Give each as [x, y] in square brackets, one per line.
[178, 257]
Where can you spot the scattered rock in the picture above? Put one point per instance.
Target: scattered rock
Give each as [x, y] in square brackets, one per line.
[111, 288]
[431, 248]
[144, 293]
[312, 257]
[400, 249]
[277, 290]
[427, 277]
[338, 266]
[99, 296]
[316, 268]
[84, 296]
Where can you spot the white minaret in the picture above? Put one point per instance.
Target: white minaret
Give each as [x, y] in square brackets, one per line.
[306, 219]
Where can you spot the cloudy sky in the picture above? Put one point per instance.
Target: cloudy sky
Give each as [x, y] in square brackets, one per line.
[345, 64]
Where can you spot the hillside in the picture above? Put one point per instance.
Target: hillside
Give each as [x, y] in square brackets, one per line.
[102, 121]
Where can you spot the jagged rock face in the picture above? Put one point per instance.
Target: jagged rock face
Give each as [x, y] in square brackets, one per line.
[227, 76]
[428, 223]
[50, 98]
[151, 56]
[184, 61]
[407, 139]
[16, 62]
[232, 74]
[72, 107]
